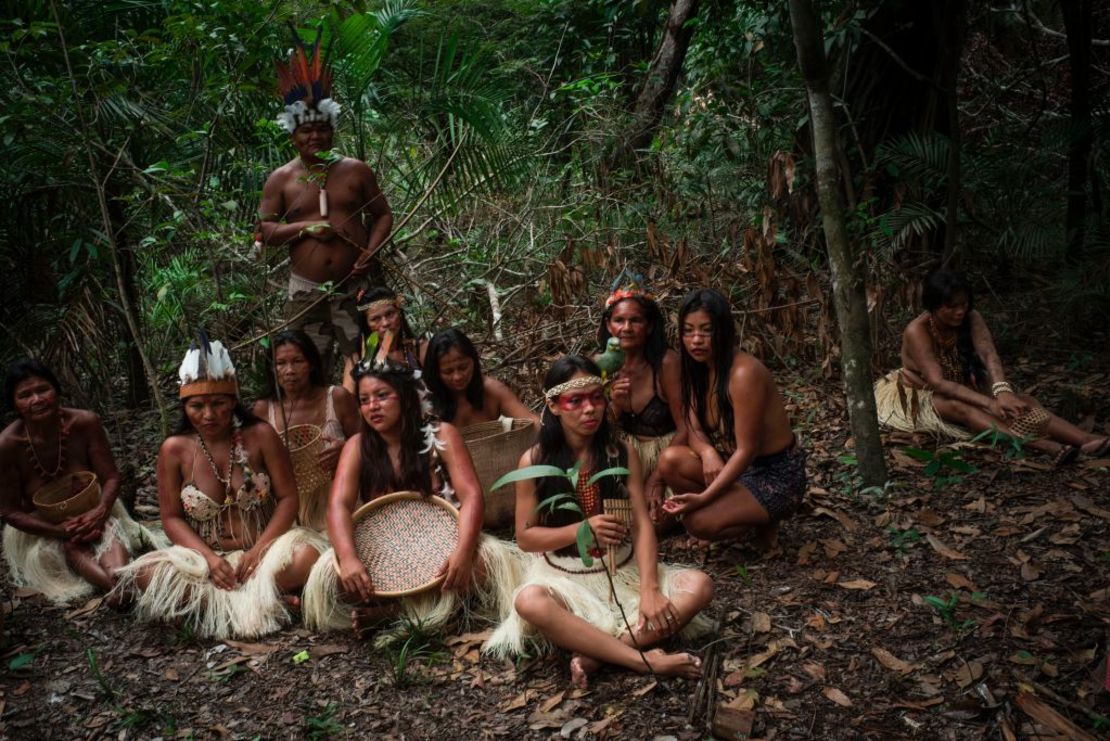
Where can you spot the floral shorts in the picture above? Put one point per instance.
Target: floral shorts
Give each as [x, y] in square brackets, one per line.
[778, 482]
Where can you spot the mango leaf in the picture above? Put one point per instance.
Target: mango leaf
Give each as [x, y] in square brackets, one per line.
[572, 474]
[528, 472]
[20, 661]
[918, 453]
[556, 501]
[615, 471]
[585, 539]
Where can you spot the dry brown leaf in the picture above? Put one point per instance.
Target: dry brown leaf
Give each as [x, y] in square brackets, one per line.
[645, 689]
[1036, 709]
[761, 622]
[890, 661]
[806, 552]
[943, 549]
[729, 722]
[550, 703]
[255, 649]
[172, 675]
[959, 581]
[817, 671]
[845, 521]
[838, 697]
[833, 547]
[857, 584]
[516, 703]
[744, 700]
[327, 649]
[85, 609]
[1029, 572]
[966, 673]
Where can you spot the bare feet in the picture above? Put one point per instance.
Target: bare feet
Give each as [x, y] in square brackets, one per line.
[674, 665]
[1097, 448]
[292, 601]
[365, 618]
[581, 667]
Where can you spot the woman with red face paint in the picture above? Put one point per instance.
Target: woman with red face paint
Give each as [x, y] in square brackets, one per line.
[645, 394]
[952, 383]
[566, 603]
[47, 442]
[742, 469]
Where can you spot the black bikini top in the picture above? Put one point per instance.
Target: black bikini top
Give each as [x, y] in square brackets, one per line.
[654, 420]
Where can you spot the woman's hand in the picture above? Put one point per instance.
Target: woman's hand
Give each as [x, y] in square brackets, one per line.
[1010, 406]
[620, 393]
[608, 530]
[220, 572]
[328, 459]
[248, 564]
[85, 526]
[657, 614]
[711, 465]
[654, 493]
[459, 570]
[356, 579]
[680, 504]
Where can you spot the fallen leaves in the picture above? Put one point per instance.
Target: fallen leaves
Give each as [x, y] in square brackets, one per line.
[943, 549]
[1036, 709]
[892, 662]
[857, 584]
[838, 697]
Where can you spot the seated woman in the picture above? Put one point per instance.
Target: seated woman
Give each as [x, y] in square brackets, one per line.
[645, 394]
[227, 498]
[567, 602]
[380, 310]
[298, 395]
[742, 467]
[45, 444]
[948, 359]
[401, 447]
[461, 393]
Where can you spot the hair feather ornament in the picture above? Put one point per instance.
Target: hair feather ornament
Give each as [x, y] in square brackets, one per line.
[305, 85]
[627, 285]
[207, 369]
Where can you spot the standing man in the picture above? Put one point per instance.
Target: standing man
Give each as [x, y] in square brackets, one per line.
[327, 209]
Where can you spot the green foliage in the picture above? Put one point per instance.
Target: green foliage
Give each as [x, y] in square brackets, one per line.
[1012, 446]
[946, 609]
[324, 725]
[944, 467]
[903, 540]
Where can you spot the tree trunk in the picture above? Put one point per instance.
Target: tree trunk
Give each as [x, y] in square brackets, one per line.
[138, 393]
[954, 13]
[662, 77]
[1077, 23]
[847, 280]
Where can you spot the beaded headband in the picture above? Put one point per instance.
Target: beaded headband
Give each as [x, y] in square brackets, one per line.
[379, 304]
[578, 382]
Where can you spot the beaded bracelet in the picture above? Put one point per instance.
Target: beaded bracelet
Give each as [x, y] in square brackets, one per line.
[1001, 386]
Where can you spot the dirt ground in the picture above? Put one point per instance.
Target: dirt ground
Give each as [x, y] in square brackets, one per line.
[951, 605]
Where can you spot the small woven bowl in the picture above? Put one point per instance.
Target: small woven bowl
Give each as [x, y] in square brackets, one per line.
[56, 502]
[404, 539]
[1032, 424]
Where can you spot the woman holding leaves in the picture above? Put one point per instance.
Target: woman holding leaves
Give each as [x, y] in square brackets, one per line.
[565, 596]
[297, 395]
[381, 312]
[402, 447]
[948, 358]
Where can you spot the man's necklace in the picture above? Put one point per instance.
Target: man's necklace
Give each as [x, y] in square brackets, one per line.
[321, 183]
[41, 469]
[230, 464]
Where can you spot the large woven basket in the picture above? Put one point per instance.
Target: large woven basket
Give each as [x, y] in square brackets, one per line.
[404, 539]
[496, 451]
[56, 501]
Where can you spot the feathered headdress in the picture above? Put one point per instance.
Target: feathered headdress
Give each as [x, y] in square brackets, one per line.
[627, 285]
[305, 86]
[207, 369]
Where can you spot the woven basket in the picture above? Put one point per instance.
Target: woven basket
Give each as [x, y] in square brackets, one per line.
[404, 539]
[496, 451]
[56, 501]
[1032, 424]
[305, 443]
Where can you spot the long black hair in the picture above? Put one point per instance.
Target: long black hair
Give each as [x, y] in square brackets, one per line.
[307, 347]
[941, 286]
[655, 348]
[240, 413]
[443, 398]
[376, 473]
[22, 369]
[605, 450]
[695, 375]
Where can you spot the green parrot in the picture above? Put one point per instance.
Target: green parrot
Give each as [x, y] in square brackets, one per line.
[612, 359]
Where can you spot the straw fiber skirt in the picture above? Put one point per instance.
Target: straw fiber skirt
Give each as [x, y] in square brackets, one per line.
[39, 563]
[907, 409]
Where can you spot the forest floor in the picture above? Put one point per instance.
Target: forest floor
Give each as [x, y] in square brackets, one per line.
[957, 605]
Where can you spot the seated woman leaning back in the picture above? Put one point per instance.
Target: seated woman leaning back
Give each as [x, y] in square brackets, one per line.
[948, 359]
[461, 393]
[567, 602]
[227, 499]
[296, 395]
[743, 468]
[402, 447]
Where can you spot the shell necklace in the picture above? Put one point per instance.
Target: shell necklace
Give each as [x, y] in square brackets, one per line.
[63, 433]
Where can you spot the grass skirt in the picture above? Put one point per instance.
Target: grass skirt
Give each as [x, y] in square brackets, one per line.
[179, 588]
[39, 562]
[649, 451]
[500, 563]
[907, 409]
[587, 596]
[313, 509]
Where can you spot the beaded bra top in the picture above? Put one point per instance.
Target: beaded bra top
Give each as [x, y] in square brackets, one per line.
[252, 499]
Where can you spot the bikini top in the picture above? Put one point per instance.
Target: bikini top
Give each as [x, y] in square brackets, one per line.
[252, 498]
[654, 420]
[251, 495]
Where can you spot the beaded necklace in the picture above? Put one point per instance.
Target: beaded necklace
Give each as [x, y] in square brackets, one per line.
[948, 354]
[236, 451]
[63, 433]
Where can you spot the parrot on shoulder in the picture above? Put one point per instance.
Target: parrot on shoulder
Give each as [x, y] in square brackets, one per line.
[611, 360]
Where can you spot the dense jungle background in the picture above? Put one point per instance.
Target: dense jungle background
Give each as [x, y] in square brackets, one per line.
[531, 150]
